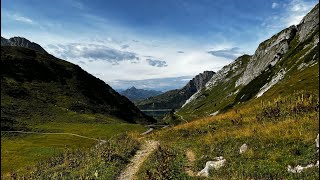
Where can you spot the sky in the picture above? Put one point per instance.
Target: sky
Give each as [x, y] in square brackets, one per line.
[158, 44]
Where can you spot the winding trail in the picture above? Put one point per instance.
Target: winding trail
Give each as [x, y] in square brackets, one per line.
[141, 155]
[181, 117]
[71, 134]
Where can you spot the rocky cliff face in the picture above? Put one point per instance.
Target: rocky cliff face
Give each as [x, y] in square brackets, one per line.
[198, 82]
[21, 42]
[176, 98]
[308, 24]
[293, 52]
[268, 53]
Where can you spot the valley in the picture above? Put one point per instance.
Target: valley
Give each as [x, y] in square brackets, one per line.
[254, 118]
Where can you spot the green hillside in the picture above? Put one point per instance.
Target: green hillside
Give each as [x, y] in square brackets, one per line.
[38, 88]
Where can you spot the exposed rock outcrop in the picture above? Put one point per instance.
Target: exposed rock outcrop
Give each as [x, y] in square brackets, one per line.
[22, 42]
[268, 53]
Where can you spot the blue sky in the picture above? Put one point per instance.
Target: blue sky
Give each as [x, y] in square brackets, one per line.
[142, 42]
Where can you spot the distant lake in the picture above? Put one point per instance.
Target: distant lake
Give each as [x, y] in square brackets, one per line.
[156, 113]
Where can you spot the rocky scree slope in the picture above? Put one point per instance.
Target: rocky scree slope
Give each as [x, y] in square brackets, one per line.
[135, 94]
[285, 60]
[176, 98]
[38, 87]
[21, 42]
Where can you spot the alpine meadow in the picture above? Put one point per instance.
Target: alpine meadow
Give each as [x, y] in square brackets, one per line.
[125, 90]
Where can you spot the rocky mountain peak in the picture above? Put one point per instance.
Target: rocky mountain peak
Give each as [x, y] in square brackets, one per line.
[308, 23]
[200, 80]
[133, 88]
[21, 42]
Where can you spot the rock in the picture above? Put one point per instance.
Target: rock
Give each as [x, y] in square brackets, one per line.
[216, 164]
[317, 141]
[243, 148]
[308, 23]
[268, 53]
[298, 169]
[21, 42]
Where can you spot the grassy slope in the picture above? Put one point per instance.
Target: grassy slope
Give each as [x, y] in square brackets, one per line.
[42, 93]
[102, 162]
[36, 84]
[21, 151]
[216, 98]
[275, 140]
[279, 127]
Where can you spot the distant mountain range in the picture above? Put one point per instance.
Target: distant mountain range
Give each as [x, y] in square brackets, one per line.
[176, 98]
[135, 94]
[21, 42]
[37, 87]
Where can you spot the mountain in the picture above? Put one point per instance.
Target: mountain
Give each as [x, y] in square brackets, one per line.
[176, 98]
[36, 87]
[21, 42]
[285, 63]
[135, 94]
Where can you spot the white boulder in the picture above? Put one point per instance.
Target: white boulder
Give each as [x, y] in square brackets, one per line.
[216, 164]
[243, 148]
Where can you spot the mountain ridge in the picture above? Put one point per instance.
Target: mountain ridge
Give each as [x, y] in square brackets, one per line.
[41, 86]
[276, 60]
[21, 42]
[175, 98]
[135, 94]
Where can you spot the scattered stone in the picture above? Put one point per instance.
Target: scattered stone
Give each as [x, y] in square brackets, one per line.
[96, 174]
[216, 164]
[298, 169]
[317, 141]
[214, 114]
[243, 148]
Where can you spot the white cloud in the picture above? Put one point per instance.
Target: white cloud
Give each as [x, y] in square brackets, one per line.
[20, 18]
[293, 13]
[296, 10]
[92, 52]
[274, 5]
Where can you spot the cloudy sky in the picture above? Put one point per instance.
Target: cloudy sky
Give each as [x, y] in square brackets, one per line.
[158, 44]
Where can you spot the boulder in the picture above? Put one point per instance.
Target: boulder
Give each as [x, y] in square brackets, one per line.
[216, 164]
[243, 148]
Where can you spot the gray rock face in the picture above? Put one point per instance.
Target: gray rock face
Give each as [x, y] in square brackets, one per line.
[308, 23]
[21, 42]
[271, 50]
[268, 53]
[199, 81]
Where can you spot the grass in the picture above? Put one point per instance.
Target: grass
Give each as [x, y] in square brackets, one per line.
[275, 141]
[20, 151]
[102, 162]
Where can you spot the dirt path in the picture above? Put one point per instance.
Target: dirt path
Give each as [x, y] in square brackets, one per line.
[141, 155]
[191, 158]
[180, 117]
[147, 132]
[71, 134]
